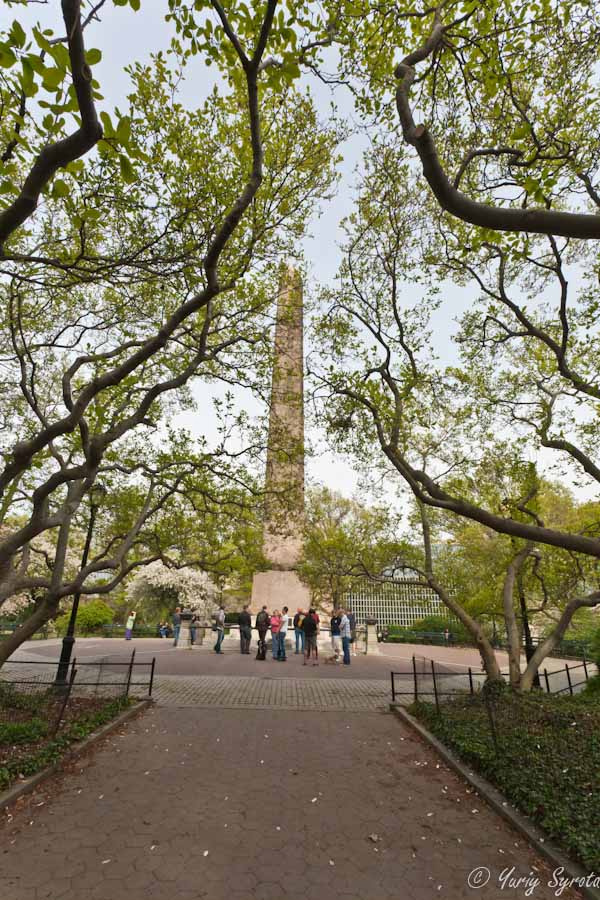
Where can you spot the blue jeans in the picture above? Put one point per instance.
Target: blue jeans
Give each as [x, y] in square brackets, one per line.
[299, 640]
[176, 630]
[346, 648]
[220, 636]
[281, 648]
[275, 644]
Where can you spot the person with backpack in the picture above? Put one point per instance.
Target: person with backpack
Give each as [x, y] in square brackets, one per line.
[245, 623]
[310, 627]
[263, 620]
[336, 638]
[298, 632]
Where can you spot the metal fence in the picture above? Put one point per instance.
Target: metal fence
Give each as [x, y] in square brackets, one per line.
[430, 680]
[107, 676]
[565, 649]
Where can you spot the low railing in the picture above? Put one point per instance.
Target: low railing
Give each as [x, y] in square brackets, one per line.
[428, 678]
[565, 649]
[97, 675]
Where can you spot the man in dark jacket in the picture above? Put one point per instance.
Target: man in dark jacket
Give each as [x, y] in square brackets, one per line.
[310, 626]
[263, 620]
[245, 623]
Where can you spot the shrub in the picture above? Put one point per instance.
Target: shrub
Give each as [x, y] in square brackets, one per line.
[22, 732]
[91, 616]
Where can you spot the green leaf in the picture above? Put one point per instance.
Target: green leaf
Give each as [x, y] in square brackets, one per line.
[93, 56]
[127, 170]
[60, 188]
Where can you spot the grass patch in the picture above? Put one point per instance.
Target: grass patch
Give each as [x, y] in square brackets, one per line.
[546, 758]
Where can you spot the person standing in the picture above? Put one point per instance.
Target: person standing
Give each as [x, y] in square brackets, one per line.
[263, 621]
[245, 623]
[283, 630]
[220, 622]
[310, 627]
[336, 639]
[346, 636]
[193, 628]
[275, 626]
[176, 625]
[298, 632]
[129, 625]
[352, 620]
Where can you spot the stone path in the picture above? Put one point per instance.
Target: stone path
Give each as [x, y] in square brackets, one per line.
[233, 692]
[222, 804]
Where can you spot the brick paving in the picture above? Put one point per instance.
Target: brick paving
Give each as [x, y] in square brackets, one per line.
[273, 804]
[235, 692]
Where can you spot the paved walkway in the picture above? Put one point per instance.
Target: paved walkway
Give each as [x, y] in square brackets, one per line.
[235, 692]
[256, 804]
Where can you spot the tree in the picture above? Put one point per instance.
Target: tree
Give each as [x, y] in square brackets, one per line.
[156, 589]
[153, 264]
[344, 540]
[435, 425]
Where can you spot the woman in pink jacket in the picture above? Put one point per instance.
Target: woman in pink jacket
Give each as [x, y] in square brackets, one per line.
[275, 626]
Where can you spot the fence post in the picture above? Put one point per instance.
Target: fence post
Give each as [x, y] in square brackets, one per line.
[471, 680]
[152, 676]
[585, 668]
[437, 702]
[393, 687]
[129, 673]
[547, 680]
[569, 679]
[415, 679]
[65, 700]
[488, 707]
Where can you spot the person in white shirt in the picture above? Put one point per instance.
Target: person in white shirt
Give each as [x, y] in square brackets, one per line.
[220, 620]
[346, 635]
[283, 630]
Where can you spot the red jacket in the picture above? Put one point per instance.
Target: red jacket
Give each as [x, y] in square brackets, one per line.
[275, 624]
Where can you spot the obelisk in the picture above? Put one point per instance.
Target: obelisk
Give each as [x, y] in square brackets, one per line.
[284, 484]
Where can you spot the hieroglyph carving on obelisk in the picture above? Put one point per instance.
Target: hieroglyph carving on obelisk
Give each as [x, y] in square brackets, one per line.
[284, 485]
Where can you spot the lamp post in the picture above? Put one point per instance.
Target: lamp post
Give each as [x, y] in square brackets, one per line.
[97, 492]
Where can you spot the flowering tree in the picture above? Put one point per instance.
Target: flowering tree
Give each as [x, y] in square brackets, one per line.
[157, 589]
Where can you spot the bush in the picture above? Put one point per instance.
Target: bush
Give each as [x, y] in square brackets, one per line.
[91, 616]
[432, 625]
[545, 757]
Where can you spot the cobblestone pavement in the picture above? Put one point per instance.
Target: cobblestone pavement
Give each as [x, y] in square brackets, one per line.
[214, 804]
[234, 692]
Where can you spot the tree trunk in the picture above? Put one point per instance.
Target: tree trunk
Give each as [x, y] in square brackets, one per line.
[44, 612]
[488, 656]
[546, 647]
[510, 619]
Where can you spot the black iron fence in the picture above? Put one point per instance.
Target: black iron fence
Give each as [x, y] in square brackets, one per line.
[430, 680]
[107, 676]
[565, 649]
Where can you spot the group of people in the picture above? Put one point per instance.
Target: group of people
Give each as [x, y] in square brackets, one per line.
[306, 627]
